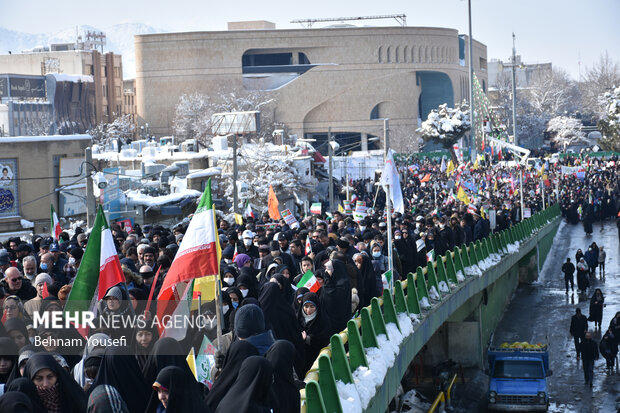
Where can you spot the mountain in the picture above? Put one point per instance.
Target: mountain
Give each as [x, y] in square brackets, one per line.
[119, 40]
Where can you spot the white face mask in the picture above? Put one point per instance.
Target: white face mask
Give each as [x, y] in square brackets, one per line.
[71, 260]
[244, 293]
[397, 237]
[362, 229]
[247, 242]
[229, 280]
[225, 308]
[376, 254]
[256, 244]
[227, 261]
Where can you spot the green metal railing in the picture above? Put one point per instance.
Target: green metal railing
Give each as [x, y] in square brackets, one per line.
[334, 363]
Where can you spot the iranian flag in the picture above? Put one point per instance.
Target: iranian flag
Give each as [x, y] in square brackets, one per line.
[308, 245]
[198, 255]
[54, 224]
[316, 208]
[430, 256]
[309, 281]
[248, 211]
[100, 268]
[175, 329]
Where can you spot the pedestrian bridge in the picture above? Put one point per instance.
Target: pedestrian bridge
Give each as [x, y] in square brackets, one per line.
[362, 367]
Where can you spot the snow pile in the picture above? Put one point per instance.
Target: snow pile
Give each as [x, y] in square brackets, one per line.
[495, 257]
[349, 398]
[414, 318]
[396, 337]
[26, 224]
[512, 248]
[138, 198]
[434, 294]
[388, 347]
[406, 326]
[414, 402]
[443, 287]
[424, 303]
[366, 382]
[215, 171]
[459, 276]
[473, 270]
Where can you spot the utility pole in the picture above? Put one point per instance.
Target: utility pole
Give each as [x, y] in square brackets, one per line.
[331, 168]
[514, 92]
[472, 133]
[388, 206]
[90, 196]
[235, 174]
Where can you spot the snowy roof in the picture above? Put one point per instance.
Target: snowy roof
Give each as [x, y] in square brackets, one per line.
[138, 198]
[53, 138]
[63, 77]
[160, 155]
[205, 172]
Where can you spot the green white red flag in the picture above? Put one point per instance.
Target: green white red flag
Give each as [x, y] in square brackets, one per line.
[309, 281]
[54, 223]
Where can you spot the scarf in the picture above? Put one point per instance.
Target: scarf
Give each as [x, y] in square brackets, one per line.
[50, 396]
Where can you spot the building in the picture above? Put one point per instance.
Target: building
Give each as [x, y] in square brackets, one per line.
[501, 72]
[106, 71]
[343, 78]
[32, 170]
[46, 105]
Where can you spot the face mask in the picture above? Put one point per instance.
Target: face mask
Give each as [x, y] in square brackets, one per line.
[244, 293]
[229, 280]
[376, 254]
[256, 244]
[247, 242]
[362, 229]
[310, 317]
[225, 308]
[44, 266]
[71, 260]
[418, 225]
[227, 261]
[235, 304]
[397, 237]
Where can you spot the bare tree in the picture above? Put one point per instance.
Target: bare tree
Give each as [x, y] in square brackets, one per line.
[552, 93]
[194, 112]
[404, 139]
[602, 77]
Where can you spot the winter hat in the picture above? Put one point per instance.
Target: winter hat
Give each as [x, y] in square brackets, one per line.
[43, 278]
[242, 259]
[249, 321]
[76, 253]
[115, 292]
[342, 243]
[54, 247]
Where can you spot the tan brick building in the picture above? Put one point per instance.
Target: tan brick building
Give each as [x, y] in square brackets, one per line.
[346, 78]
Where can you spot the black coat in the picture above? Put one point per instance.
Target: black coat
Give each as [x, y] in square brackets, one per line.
[336, 297]
[608, 347]
[568, 268]
[281, 356]
[588, 350]
[318, 330]
[578, 325]
[251, 392]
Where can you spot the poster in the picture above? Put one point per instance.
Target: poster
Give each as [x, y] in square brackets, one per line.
[289, 218]
[527, 212]
[9, 200]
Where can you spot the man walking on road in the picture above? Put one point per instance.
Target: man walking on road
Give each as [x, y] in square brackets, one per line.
[578, 328]
[569, 269]
[589, 353]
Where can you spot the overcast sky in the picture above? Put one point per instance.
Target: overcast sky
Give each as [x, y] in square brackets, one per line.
[558, 31]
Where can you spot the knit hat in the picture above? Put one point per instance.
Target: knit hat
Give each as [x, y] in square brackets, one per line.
[242, 259]
[43, 278]
[249, 321]
[114, 292]
[76, 253]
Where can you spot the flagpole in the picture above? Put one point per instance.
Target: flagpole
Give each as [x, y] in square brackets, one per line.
[521, 193]
[218, 310]
[388, 207]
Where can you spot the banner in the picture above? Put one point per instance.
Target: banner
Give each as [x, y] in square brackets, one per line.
[289, 218]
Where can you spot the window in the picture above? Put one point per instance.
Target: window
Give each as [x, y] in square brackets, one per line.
[104, 91]
[483, 64]
[379, 53]
[89, 70]
[117, 72]
[267, 59]
[303, 59]
[117, 90]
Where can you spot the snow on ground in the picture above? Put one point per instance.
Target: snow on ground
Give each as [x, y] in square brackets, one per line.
[413, 403]
[215, 171]
[443, 287]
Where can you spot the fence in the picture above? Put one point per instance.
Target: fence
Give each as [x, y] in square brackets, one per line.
[393, 315]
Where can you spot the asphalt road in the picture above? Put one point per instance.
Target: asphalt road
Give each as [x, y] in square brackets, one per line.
[543, 310]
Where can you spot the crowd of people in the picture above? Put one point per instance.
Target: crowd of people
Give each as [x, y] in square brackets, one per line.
[272, 327]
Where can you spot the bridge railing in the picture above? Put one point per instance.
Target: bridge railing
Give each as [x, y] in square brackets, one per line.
[388, 320]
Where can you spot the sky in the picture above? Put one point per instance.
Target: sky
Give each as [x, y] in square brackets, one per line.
[563, 32]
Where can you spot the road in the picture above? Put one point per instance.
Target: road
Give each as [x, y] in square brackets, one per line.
[544, 309]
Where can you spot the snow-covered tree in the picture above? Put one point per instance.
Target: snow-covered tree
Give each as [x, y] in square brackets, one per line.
[121, 128]
[566, 131]
[446, 126]
[551, 93]
[39, 125]
[599, 79]
[194, 111]
[261, 165]
[610, 123]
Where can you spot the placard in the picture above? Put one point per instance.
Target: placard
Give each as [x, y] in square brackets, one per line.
[9, 200]
[289, 218]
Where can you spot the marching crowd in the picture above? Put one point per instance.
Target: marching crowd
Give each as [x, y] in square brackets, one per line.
[273, 321]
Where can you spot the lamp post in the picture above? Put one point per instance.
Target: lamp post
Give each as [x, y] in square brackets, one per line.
[472, 134]
[514, 92]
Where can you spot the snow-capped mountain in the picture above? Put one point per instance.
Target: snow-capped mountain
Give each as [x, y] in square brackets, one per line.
[119, 40]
